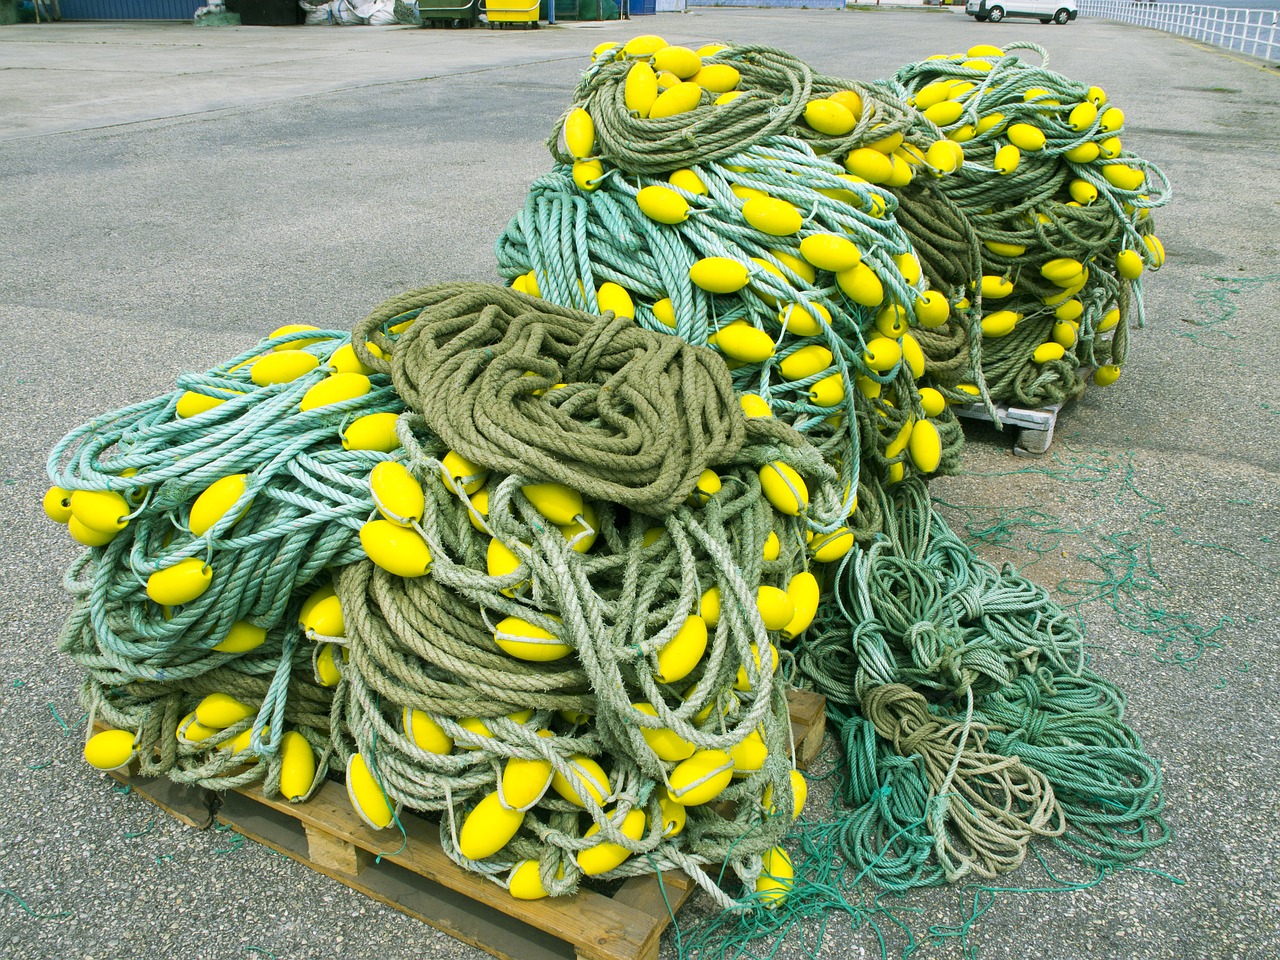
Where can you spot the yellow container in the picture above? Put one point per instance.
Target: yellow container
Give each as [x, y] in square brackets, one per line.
[512, 11]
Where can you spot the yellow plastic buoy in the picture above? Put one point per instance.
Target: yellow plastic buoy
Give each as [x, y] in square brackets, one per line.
[1062, 271]
[87, 535]
[423, 731]
[587, 174]
[337, 388]
[748, 754]
[741, 341]
[557, 502]
[913, 354]
[770, 215]
[826, 251]
[995, 288]
[827, 392]
[676, 100]
[667, 745]
[1066, 332]
[1000, 323]
[588, 779]
[1106, 375]
[772, 547]
[662, 204]
[807, 319]
[803, 587]
[688, 181]
[1124, 177]
[1026, 137]
[718, 77]
[367, 798]
[829, 117]
[932, 309]
[682, 653]
[525, 881]
[181, 583]
[784, 488]
[775, 606]
[640, 89]
[882, 354]
[861, 285]
[397, 493]
[1085, 152]
[528, 641]
[709, 606]
[945, 113]
[1109, 320]
[1048, 352]
[325, 662]
[297, 765]
[241, 638]
[925, 447]
[221, 710]
[110, 749]
[606, 856]
[282, 367]
[219, 497]
[525, 779]
[701, 778]
[396, 549]
[645, 45]
[192, 404]
[1007, 159]
[321, 613]
[776, 877]
[298, 344]
[488, 828]
[373, 431]
[754, 405]
[829, 547]
[612, 296]
[1129, 264]
[851, 100]
[57, 504]
[719, 274]
[681, 61]
[799, 794]
[102, 510]
[872, 165]
[932, 402]
[892, 320]
[580, 134]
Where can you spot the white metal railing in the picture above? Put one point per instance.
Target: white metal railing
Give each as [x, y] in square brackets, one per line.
[1245, 30]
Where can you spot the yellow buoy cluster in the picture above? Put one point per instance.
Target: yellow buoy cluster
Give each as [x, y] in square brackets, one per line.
[579, 686]
[1061, 211]
[776, 246]
[211, 511]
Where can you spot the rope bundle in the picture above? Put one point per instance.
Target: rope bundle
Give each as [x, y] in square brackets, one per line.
[1045, 181]
[164, 613]
[615, 591]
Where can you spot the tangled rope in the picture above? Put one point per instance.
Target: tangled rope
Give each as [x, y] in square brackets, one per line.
[207, 509]
[1046, 220]
[629, 422]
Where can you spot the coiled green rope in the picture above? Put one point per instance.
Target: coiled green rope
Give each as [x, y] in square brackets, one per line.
[629, 419]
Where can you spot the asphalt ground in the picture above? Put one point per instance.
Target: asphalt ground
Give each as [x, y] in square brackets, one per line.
[169, 194]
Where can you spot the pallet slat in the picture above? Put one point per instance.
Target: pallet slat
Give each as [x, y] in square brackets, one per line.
[417, 877]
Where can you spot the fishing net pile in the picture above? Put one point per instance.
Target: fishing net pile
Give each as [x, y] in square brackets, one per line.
[542, 561]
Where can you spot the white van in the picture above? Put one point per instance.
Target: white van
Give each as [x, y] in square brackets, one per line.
[1046, 11]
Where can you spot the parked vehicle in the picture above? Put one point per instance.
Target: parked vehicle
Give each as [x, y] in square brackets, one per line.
[1046, 11]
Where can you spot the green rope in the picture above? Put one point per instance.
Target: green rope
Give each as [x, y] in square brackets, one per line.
[1030, 207]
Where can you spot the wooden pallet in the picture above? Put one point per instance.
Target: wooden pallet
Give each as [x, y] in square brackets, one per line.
[1034, 427]
[420, 880]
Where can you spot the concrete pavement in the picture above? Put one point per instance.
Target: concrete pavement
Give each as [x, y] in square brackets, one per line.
[168, 194]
